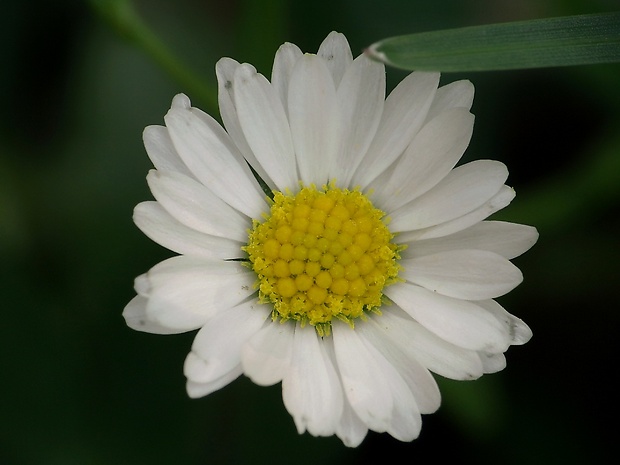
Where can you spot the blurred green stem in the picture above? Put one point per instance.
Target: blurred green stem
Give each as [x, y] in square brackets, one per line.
[122, 16]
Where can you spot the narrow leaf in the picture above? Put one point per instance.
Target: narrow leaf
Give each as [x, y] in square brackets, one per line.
[562, 41]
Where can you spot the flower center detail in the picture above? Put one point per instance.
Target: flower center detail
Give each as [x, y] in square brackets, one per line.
[322, 254]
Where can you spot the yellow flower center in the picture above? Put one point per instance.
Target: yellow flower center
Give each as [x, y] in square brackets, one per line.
[322, 254]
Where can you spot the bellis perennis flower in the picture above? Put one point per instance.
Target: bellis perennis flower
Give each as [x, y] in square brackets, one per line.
[367, 266]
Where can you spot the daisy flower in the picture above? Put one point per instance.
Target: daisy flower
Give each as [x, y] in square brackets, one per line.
[328, 241]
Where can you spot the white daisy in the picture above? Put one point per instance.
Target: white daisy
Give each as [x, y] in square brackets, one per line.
[369, 264]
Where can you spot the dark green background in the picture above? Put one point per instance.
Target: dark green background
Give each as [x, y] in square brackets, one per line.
[78, 387]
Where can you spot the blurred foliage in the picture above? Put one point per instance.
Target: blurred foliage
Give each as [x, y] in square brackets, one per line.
[81, 388]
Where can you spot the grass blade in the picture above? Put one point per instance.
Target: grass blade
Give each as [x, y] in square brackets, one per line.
[550, 42]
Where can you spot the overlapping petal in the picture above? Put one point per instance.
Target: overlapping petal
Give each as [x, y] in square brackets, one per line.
[196, 206]
[403, 115]
[463, 190]
[225, 71]
[459, 322]
[208, 151]
[161, 227]
[310, 389]
[361, 96]
[267, 355]
[216, 350]
[465, 274]
[434, 151]
[506, 239]
[184, 292]
[265, 126]
[314, 120]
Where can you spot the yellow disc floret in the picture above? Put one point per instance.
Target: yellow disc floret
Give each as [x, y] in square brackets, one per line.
[322, 254]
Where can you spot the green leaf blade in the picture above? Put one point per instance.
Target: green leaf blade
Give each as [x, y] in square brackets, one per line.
[551, 42]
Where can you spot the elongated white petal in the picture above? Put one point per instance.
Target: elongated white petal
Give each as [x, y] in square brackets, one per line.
[225, 71]
[208, 151]
[519, 332]
[433, 352]
[403, 419]
[506, 239]
[136, 318]
[366, 389]
[184, 292]
[496, 203]
[361, 97]
[434, 151]
[265, 126]
[458, 94]
[267, 354]
[336, 53]
[465, 274]
[351, 430]
[195, 390]
[310, 389]
[195, 206]
[283, 64]
[492, 363]
[404, 114]
[162, 228]
[314, 119]
[418, 378]
[161, 151]
[460, 322]
[217, 346]
[463, 190]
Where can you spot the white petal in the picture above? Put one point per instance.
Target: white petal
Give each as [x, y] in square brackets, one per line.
[404, 114]
[195, 390]
[336, 53]
[162, 228]
[181, 102]
[366, 389]
[184, 292]
[459, 94]
[361, 96]
[506, 239]
[433, 352]
[283, 64]
[459, 322]
[161, 151]
[367, 393]
[520, 333]
[265, 126]
[351, 430]
[496, 203]
[209, 152]
[225, 71]
[418, 378]
[434, 151]
[464, 274]
[310, 389]
[464, 189]
[217, 346]
[376, 391]
[195, 206]
[136, 318]
[267, 355]
[492, 363]
[314, 119]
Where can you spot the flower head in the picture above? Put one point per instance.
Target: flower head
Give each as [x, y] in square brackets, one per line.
[327, 241]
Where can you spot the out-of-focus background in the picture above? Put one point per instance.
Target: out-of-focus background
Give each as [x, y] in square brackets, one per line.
[78, 387]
